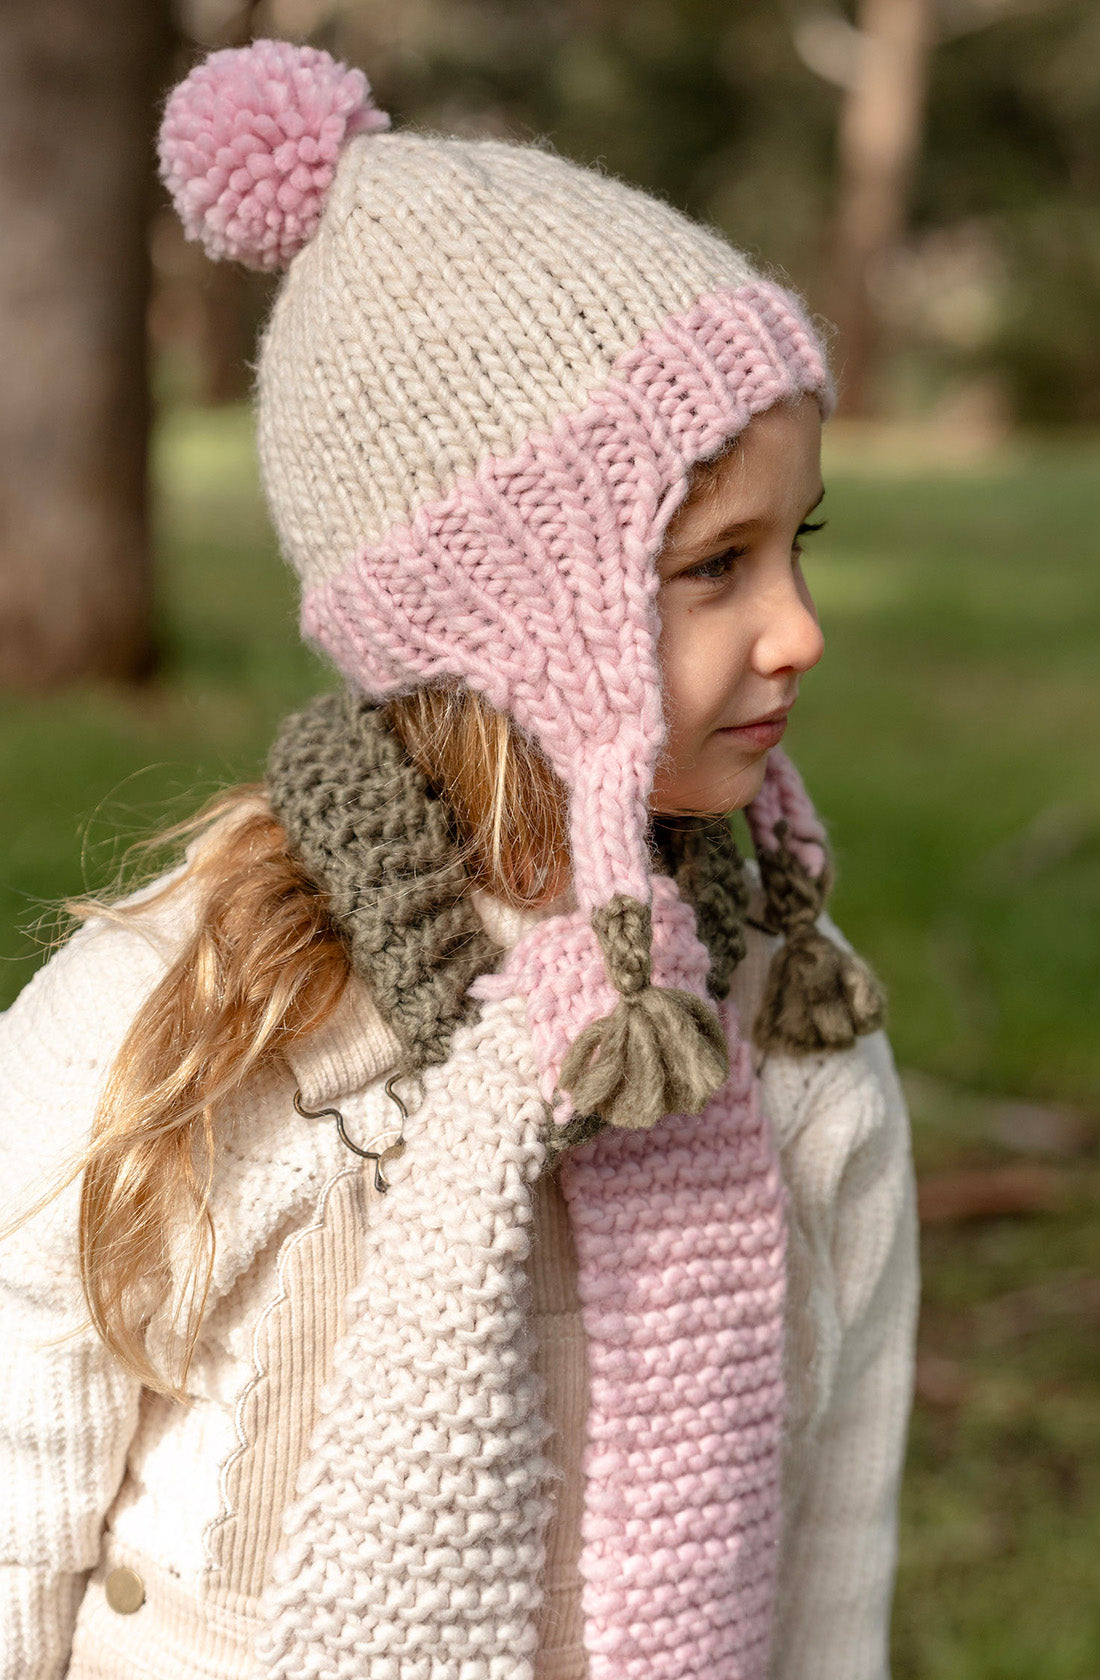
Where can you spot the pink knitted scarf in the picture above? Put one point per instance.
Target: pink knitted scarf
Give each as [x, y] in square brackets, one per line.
[680, 1239]
[681, 1246]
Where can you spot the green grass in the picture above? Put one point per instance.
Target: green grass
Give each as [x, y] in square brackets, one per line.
[949, 739]
[949, 736]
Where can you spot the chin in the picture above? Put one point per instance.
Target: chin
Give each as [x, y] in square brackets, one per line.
[725, 794]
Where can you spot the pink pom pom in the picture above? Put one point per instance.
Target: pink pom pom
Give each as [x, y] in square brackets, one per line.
[250, 142]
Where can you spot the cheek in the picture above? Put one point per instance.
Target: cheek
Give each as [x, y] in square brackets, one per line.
[701, 663]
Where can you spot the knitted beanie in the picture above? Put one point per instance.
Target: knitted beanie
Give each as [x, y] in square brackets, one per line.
[483, 385]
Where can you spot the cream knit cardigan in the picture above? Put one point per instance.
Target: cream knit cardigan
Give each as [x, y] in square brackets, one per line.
[98, 1473]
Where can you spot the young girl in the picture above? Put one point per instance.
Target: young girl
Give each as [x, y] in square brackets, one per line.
[488, 1246]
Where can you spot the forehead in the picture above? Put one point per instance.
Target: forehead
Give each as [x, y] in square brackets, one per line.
[773, 462]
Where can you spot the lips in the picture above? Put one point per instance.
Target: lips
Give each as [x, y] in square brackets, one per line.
[778, 716]
[759, 735]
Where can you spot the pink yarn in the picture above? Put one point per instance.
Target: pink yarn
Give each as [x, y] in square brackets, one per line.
[783, 795]
[558, 970]
[249, 144]
[681, 1245]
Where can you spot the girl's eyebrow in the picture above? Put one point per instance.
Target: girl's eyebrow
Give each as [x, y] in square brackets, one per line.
[736, 525]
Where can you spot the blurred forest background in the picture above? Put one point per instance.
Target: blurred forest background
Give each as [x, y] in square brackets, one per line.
[927, 174]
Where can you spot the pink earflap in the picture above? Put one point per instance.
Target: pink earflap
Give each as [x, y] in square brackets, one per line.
[249, 144]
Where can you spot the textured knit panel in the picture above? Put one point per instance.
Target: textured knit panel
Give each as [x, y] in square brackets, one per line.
[380, 843]
[213, 1633]
[561, 1362]
[38, 1607]
[416, 1543]
[292, 1354]
[457, 296]
[67, 1412]
[680, 1243]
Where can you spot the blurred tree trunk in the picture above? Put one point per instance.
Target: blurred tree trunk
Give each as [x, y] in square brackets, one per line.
[79, 93]
[229, 310]
[880, 130]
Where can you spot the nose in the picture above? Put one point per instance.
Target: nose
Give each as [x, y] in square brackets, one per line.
[789, 637]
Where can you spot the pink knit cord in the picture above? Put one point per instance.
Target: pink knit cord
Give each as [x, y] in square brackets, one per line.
[783, 795]
[558, 970]
[681, 1246]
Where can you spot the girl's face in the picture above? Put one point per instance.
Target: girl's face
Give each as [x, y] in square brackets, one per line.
[738, 626]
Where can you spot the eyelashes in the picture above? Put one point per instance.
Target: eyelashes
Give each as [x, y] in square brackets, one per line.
[725, 561]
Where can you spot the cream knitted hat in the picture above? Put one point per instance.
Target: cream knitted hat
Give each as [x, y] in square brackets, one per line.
[482, 387]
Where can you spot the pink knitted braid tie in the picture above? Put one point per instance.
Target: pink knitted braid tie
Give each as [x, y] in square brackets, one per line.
[783, 797]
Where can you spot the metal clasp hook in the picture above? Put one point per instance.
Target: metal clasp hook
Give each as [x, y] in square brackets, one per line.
[378, 1156]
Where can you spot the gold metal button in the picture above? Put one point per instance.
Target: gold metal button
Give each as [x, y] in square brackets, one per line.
[125, 1591]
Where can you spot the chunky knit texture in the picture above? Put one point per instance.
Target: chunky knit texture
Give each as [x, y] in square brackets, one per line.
[101, 1474]
[680, 1243]
[382, 846]
[819, 996]
[426, 1466]
[482, 389]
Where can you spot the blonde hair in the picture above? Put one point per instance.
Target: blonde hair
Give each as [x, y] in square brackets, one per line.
[262, 965]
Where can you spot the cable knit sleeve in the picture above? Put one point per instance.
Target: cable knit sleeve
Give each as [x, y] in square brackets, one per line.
[853, 1273]
[67, 1411]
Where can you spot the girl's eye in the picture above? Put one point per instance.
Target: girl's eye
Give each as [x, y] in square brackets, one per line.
[804, 530]
[719, 566]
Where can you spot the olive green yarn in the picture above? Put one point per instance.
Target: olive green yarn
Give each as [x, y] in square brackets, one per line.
[702, 856]
[380, 843]
[624, 929]
[660, 1051]
[817, 996]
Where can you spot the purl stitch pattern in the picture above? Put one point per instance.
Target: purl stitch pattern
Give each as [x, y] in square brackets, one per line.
[681, 1246]
[380, 844]
[680, 1242]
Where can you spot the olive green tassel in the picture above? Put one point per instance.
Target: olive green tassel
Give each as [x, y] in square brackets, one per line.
[660, 1051]
[818, 995]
